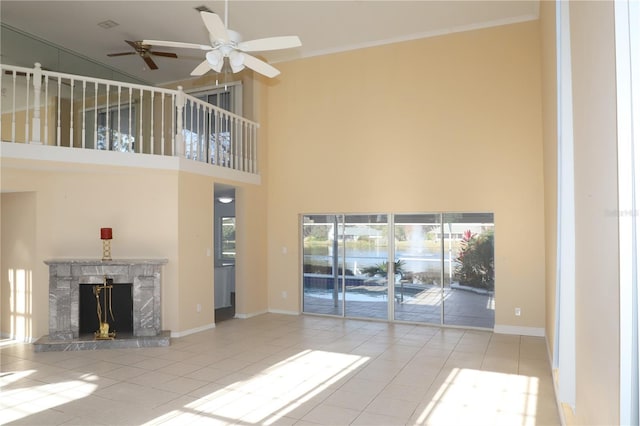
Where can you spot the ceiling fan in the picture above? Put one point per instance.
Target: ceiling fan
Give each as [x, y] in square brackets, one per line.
[226, 43]
[144, 50]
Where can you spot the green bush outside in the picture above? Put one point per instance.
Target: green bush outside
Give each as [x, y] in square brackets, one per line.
[475, 265]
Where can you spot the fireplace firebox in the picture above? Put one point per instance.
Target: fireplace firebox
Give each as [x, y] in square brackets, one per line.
[119, 303]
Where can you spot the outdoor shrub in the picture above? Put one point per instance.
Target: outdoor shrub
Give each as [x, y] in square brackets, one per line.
[381, 268]
[475, 267]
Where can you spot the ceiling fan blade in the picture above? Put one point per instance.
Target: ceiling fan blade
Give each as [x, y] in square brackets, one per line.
[177, 44]
[201, 69]
[164, 54]
[215, 26]
[121, 54]
[133, 44]
[259, 66]
[152, 65]
[270, 43]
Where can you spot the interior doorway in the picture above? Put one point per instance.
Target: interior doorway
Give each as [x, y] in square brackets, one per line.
[224, 252]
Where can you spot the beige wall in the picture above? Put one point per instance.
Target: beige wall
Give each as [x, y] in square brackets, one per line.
[195, 250]
[450, 123]
[72, 202]
[550, 148]
[17, 262]
[597, 281]
[251, 245]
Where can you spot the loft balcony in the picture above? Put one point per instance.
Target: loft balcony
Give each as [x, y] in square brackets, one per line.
[84, 117]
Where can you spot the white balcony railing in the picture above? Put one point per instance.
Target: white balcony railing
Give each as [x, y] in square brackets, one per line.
[65, 110]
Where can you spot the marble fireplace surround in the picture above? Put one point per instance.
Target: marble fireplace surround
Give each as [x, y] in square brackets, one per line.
[67, 275]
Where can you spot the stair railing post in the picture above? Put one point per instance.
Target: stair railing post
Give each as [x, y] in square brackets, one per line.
[180, 104]
[37, 87]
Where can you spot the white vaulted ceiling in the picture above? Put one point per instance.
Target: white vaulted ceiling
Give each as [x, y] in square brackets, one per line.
[323, 26]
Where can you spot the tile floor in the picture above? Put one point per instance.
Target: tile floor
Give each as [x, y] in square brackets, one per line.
[286, 370]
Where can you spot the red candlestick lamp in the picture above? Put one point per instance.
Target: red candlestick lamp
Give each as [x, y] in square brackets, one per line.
[106, 234]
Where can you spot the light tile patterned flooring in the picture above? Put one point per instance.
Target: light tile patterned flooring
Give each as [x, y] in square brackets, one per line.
[285, 370]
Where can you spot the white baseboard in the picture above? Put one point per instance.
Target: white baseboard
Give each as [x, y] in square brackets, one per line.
[175, 334]
[283, 312]
[249, 315]
[522, 331]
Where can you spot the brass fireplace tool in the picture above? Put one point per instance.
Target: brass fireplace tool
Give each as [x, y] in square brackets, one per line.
[103, 333]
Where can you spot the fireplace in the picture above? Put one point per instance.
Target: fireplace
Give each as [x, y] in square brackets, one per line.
[67, 276]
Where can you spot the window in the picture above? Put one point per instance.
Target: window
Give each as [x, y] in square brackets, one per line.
[115, 130]
[204, 133]
[228, 240]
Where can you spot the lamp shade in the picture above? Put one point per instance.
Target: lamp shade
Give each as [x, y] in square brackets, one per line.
[106, 233]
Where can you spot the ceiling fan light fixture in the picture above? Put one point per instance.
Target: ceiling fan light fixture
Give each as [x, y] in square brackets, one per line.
[236, 60]
[215, 60]
[237, 68]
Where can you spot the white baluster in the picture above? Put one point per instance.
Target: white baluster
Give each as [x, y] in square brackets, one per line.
[151, 140]
[37, 87]
[84, 113]
[119, 127]
[46, 111]
[210, 144]
[234, 143]
[173, 125]
[73, 82]
[26, 118]
[95, 116]
[216, 138]
[199, 112]
[59, 124]
[245, 146]
[162, 128]
[254, 141]
[129, 133]
[140, 113]
[1, 93]
[227, 128]
[191, 135]
[13, 110]
[107, 132]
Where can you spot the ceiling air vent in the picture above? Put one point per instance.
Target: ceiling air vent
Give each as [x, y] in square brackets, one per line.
[203, 9]
[107, 24]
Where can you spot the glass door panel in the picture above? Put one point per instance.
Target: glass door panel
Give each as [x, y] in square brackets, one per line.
[322, 265]
[366, 247]
[469, 278]
[418, 278]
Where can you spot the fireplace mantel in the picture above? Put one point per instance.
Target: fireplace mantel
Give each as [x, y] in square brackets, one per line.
[66, 276]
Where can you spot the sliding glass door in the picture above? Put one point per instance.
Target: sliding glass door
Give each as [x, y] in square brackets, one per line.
[418, 281]
[344, 261]
[468, 290]
[322, 276]
[433, 268]
[366, 258]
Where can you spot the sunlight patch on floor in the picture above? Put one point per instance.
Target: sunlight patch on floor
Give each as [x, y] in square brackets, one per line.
[497, 398]
[267, 397]
[34, 399]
